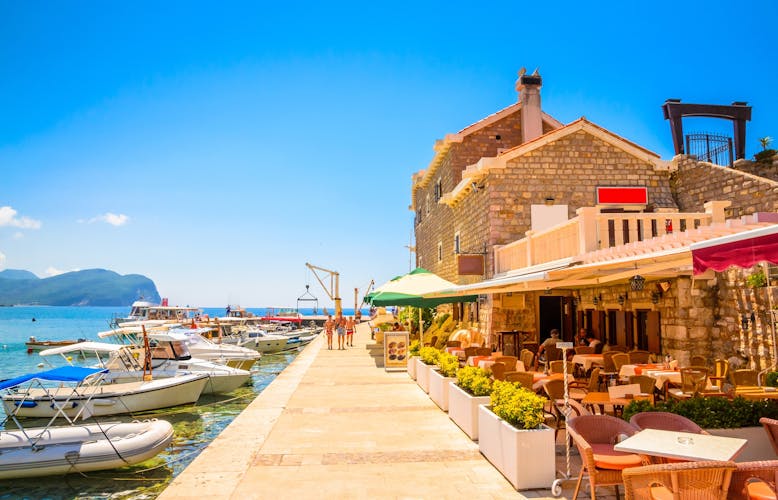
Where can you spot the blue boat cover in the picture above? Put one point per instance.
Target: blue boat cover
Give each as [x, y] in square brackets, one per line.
[62, 374]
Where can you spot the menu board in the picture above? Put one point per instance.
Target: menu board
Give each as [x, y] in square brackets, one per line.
[395, 351]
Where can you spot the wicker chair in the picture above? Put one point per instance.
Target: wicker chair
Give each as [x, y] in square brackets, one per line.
[555, 390]
[498, 371]
[607, 362]
[525, 379]
[433, 342]
[754, 480]
[483, 351]
[679, 481]
[693, 379]
[698, 360]
[745, 377]
[584, 349]
[664, 421]
[620, 359]
[470, 351]
[638, 357]
[720, 372]
[594, 436]
[557, 366]
[508, 361]
[771, 427]
[647, 384]
[453, 343]
[527, 358]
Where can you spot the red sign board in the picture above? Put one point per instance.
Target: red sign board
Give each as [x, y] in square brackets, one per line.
[472, 265]
[620, 195]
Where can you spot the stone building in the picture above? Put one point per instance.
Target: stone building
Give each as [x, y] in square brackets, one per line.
[537, 217]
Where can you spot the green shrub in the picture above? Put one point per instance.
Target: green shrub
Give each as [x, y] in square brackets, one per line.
[516, 405]
[474, 380]
[756, 280]
[429, 355]
[413, 350]
[712, 413]
[772, 379]
[449, 364]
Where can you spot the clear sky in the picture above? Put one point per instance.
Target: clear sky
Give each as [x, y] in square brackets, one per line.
[217, 147]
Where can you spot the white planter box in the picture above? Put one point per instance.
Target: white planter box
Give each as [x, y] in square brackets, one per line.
[463, 409]
[412, 366]
[439, 388]
[758, 446]
[422, 375]
[524, 457]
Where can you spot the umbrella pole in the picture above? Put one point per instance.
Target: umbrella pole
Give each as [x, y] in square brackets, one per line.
[421, 329]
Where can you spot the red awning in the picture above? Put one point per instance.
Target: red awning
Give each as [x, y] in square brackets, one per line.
[742, 250]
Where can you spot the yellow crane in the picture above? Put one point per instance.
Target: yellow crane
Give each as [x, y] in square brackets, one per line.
[333, 292]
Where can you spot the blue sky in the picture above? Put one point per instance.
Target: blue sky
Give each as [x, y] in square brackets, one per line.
[217, 148]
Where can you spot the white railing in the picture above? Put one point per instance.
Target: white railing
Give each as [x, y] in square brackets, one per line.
[592, 230]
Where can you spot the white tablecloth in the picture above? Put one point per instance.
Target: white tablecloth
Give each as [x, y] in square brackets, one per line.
[588, 360]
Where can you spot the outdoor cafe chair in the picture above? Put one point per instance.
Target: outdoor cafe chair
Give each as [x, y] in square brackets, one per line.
[498, 371]
[745, 377]
[720, 372]
[453, 343]
[665, 421]
[525, 379]
[698, 360]
[584, 349]
[679, 481]
[555, 390]
[647, 384]
[595, 436]
[527, 358]
[508, 361]
[557, 366]
[470, 351]
[620, 359]
[638, 357]
[483, 351]
[754, 480]
[693, 380]
[771, 428]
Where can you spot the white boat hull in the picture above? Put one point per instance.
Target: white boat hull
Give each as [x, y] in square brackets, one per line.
[107, 399]
[81, 448]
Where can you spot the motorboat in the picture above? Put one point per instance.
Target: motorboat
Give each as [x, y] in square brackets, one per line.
[54, 450]
[199, 347]
[168, 357]
[142, 310]
[260, 340]
[89, 393]
[33, 344]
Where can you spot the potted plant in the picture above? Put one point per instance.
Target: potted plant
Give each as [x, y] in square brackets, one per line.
[738, 417]
[440, 377]
[756, 279]
[513, 437]
[471, 388]
[413, 354]
[428, 356]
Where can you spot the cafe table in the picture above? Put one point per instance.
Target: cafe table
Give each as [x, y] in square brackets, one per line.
[756, 392]
[682, 445]
[587, 360]
[540, 379]
[604, 398]
[486, 364]
[627, 371]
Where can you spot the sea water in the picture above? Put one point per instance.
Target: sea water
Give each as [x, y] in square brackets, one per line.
[195, 426]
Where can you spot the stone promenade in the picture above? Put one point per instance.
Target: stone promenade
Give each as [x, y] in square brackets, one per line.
[334, 424]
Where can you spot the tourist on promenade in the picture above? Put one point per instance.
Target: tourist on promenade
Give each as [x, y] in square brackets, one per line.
[350, 324]
[340, 325]
[329, 326]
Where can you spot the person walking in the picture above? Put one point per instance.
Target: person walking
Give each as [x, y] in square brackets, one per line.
[340, 325]
[350, 324]
[329, 326]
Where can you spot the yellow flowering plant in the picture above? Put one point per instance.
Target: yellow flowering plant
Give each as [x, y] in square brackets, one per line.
[516, 405]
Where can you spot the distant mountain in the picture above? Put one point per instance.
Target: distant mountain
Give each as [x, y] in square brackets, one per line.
[91, 287]
[17, 274]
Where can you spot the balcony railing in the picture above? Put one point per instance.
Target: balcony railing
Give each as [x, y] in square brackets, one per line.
[593, 230]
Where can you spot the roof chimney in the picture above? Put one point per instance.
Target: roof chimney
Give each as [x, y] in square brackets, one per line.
[528, 87]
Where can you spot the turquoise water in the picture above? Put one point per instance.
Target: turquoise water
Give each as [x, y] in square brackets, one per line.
[195, 426]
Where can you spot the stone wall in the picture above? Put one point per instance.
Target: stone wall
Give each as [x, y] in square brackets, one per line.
[766, 168]
[568, 170]
[695, 182]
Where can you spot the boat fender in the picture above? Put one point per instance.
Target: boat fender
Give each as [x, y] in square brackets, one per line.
[26, 404]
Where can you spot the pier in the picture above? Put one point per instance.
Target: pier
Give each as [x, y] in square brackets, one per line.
[334, 424]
